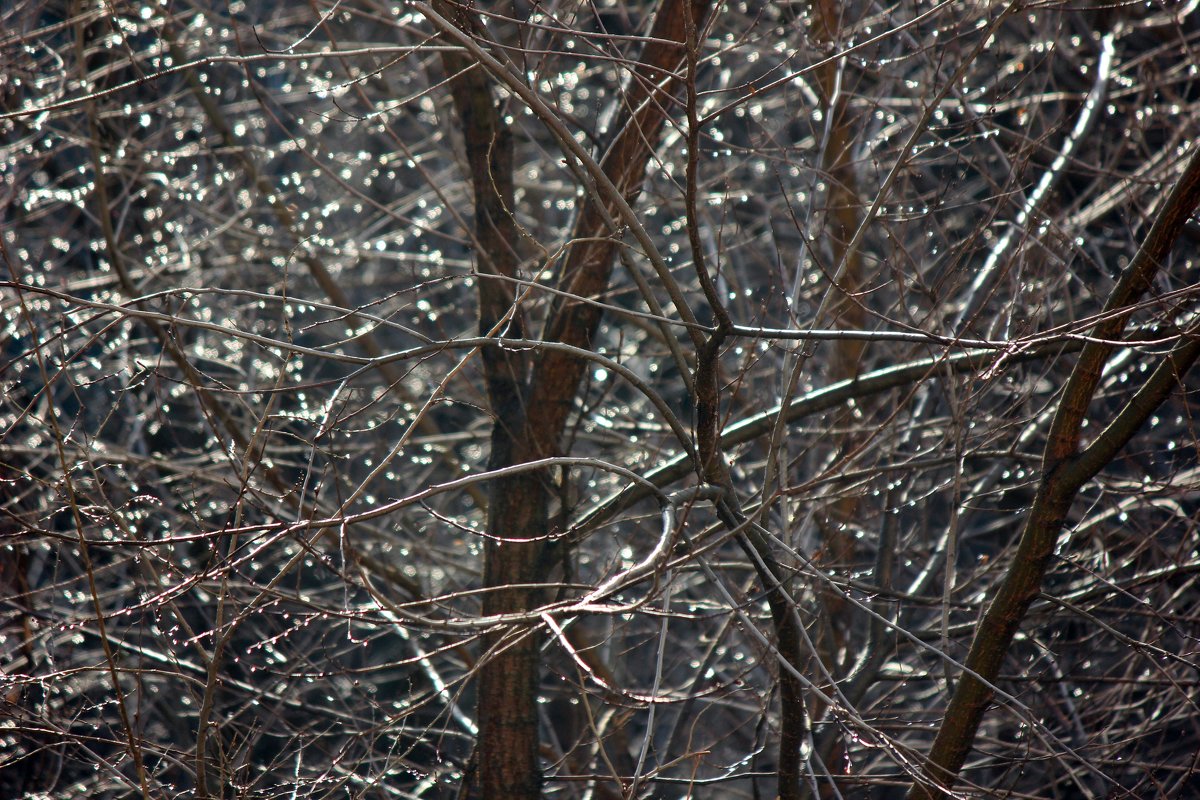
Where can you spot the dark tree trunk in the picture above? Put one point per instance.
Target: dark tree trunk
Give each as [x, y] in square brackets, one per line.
[529, 423]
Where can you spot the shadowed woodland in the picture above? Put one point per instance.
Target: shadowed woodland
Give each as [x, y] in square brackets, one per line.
[594, 400]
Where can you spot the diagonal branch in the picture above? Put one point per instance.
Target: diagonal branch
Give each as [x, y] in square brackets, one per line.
[1064, 471]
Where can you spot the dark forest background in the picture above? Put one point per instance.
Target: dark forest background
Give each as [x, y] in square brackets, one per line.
[596, 400]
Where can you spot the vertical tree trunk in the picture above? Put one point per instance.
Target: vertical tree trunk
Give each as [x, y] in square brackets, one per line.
[506, 754]
[530, 417]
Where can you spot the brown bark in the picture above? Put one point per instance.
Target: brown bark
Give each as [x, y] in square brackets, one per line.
[529, 424]
[1064, 471]
[506, 753]
[589, 263]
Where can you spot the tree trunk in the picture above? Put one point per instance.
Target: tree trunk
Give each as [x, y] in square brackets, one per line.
[529, 423]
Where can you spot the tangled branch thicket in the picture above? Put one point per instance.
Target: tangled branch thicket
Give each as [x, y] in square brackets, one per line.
[597, 399]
